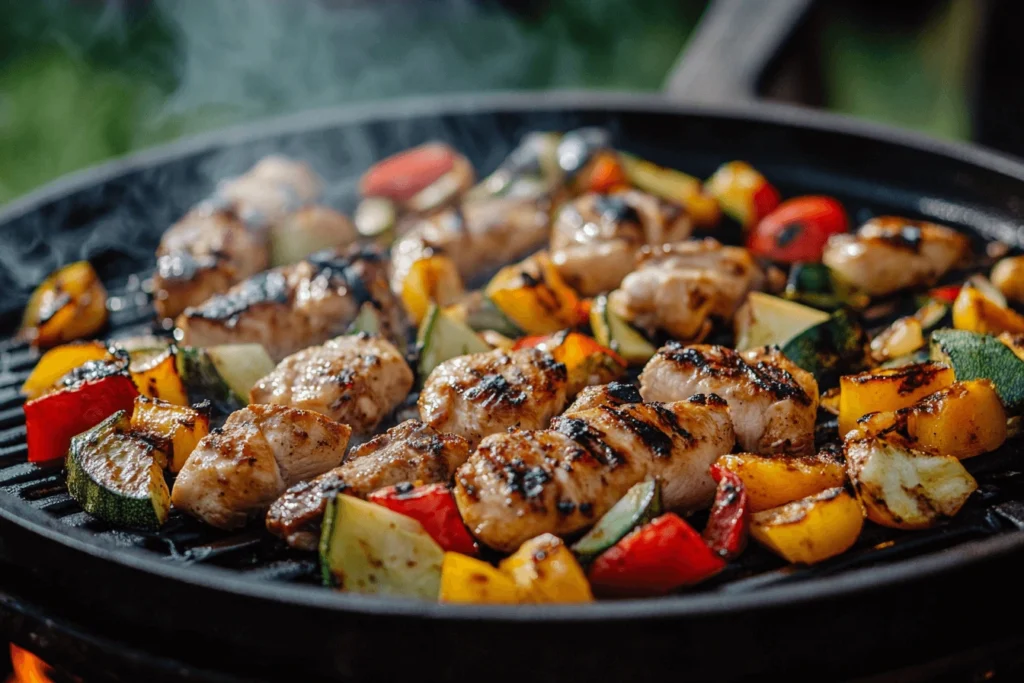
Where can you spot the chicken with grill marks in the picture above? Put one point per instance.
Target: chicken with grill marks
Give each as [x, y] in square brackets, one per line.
[523, 483]
[595, 238]
[225, 239]
[773, 403]
[356, 380]
[888, 254]
[292, 307]
[613, 394]
[678, 287]
[409, 452]
[237, 471]
[486, 393]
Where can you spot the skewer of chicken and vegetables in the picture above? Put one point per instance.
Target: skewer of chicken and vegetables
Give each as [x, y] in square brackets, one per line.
[554, 384]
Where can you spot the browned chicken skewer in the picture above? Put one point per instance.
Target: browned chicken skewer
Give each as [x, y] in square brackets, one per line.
[410, 452]
[595, 238]
[237, 471]
[523, 483]
[355, 379]
[290, 308]
[773, 403]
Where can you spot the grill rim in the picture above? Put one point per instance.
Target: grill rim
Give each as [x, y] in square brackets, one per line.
[15, 511]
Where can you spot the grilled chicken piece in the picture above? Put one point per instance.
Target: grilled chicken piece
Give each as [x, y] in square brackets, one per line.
[237, 471]
[595, 238]
[561, 480]
[677, 287]
[486, 393]
[478, 236]
[773, 403]
[225, 239]
[289, 308]
[613, 394]
[356, 380]
[410, 452]
[889, 254]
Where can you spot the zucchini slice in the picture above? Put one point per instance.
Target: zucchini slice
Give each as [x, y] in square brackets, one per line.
[766, 320]
[441, 338]
[367, 548]
[114, 476]
[829, 349]
[223, 374]
[613, 332]
[980, 356]
[367, 320]
[479, 313]
[641, 504]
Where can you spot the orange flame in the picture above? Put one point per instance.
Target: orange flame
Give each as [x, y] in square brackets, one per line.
[28, 668]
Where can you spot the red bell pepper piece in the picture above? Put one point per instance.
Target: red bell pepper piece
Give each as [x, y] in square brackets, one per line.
[726, 532]
[434, 508]
[652, 560]
[51, 420]
[947, 294]
[798, 229]
[401, 176]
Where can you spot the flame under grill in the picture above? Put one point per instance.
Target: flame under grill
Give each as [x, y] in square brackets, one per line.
[997, 507]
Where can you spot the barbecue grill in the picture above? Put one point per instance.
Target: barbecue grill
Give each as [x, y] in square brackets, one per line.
[194, 603]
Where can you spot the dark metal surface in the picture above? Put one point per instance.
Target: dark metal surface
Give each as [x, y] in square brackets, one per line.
[241, 603]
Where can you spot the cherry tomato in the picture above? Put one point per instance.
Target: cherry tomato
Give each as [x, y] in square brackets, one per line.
[798, 229]
[947, 294]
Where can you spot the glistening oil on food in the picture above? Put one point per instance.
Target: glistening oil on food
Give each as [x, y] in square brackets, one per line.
[581, 377]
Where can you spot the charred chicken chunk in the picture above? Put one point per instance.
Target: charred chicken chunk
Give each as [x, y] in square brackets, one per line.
[772, 402]
[289, 308]
[356, 380]
[237, 471]
[486, 393]
[595, 238]
[523, 483]
[410, 452]
[889, 254]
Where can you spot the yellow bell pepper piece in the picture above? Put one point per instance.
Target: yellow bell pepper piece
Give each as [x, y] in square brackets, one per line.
[466, 579]
[68, 305]
[811, 529]
[888, 389]
[535, 297]
[58, 362]
[160, 379]
[547, 571]
[434, 279]
[174, 430]
[774, 481]
[975, 312]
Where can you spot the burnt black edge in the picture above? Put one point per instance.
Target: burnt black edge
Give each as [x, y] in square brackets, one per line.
[672, 607]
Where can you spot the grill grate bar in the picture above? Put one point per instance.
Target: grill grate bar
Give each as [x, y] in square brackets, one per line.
[11, 396]
[11, 417]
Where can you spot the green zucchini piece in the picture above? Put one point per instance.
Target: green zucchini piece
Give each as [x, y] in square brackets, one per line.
[202, 381]
[441, 338]
[479, 313]
[613, 332]
[368, 320]
[981, 356]
[641, 504]
[375, 216]
[114, 476]
[241, 366]
[815, 284]
[829, 349]
[766, 320]
[366, 548]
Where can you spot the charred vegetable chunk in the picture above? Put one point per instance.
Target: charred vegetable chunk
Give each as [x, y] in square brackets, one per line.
[673, 186]
[58, 362]
[729, 521]
[888, 389]
[976, 311]
[766, 320]
[829, 348]
[798, 229]
[811, 529]
[742, 192]
[774, 481]
[158, 378]
[641, 504]
[68, 305]
[534, 297]
[434, 279]
[545, 570]
[173, 429]
[434, 508]
[469, 580]
[980, 356]
[441, 337]
[587, 362]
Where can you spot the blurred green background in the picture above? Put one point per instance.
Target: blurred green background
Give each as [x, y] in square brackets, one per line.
[83, 81]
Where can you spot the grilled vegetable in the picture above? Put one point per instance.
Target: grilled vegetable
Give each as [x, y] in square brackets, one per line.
[774, 481]
[766, 320]
[964, 419]
[174, 430]
[68, 305]
[223, 374]
[366, 548]
[654, 559]
[158, 378]
[1008, 278]
[976, 311]
[612, 331]
[605, 173]
[888, 389]
[307, 231]
[673, 186]
[586, 362]
[441, 338]
[814, 284]
[811, 529]
[376, 217]
[546, 571]
[52, 420]
[434, 279]
[114, 476]
[903, 337]
[829, 348]
[58, 362]
[742, 192]
[419, 179]
[903, 488]
[534, 297]
[979, 356]
[729, 522]
[368, 320]
[641, 504]
[469, 580]
[798, 229]
[434, 508]
[480, 314]
[1014, 342]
